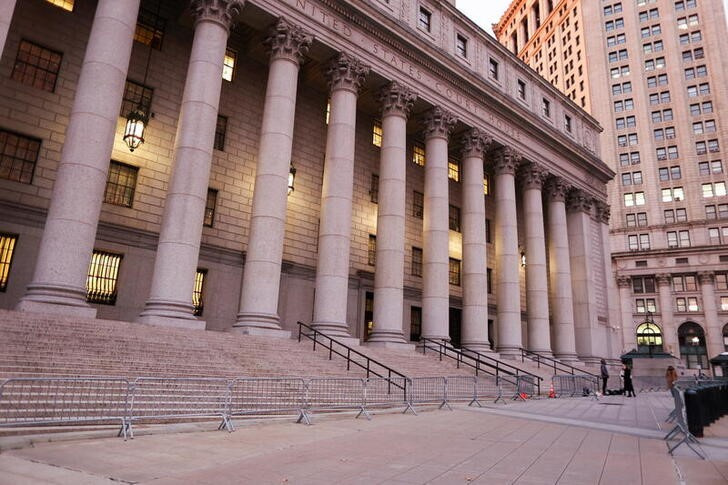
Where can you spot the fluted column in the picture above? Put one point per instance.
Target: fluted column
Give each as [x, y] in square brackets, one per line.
[475, 249]
[614, 341]
[590, 345]
[629, 335]
[59, 280]
[667, 316]
[537, 294]
[561, 299]
[397, 101]
[6, 16]
[435, 227]
[714, 333]
[507, 285]
[170, 297]
[345, 75]
[287, 45]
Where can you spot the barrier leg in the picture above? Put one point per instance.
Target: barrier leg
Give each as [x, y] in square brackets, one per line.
[226, 423]
[303, 417]
[475, 401]
[409, 407]
[443, 404]
[365, 413]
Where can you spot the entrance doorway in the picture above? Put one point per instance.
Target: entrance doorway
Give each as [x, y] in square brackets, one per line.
[455, 314]
[368, 314]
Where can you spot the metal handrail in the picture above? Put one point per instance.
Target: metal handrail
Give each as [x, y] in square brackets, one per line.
[349, 351]
[480, 360]
[557, 365]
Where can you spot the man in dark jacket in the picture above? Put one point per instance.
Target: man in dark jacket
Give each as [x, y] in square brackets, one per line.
[605, 376]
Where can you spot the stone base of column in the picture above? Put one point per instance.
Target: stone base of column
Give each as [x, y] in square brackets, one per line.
[56, 300]
[391, 345]
[337, 330]
[170, 314]
[543, 353]
[264, 325]
[590, 360]
[509, 353]
[479, 347]
[386, 337]
[566, 357]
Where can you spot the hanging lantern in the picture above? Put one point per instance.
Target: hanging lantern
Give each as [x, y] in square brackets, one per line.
[136, 122]
[291, 179]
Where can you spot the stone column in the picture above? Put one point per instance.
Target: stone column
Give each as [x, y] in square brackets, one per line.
[614, 340]
[589, 344]
[714, 332]
[629, 335]
[561, 299]
[475, 249]
[435, 227]
[287, 45]
[537, 294]
[507, 285]
[59, 281]
[170, 297]
[397, 101]
[345, 75]
[667, 316]
[6, 16]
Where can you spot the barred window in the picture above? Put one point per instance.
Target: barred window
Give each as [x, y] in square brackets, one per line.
[453, 170]
[18, 155]
[377, 133]
[487, 231]
[150, 28]
[210, 204]
[372, 250]
[220, 131]
[7, 249]
[454, 271]
[416, 261]
[418, 204]
[120, 184]
[489, 280]
[415, 323]
[136, 94]
[36, 66]
[486, 184]
[374, 188]
[228, 65]
[198, 292]
[454, 218]
[103, 273]
[418, 154]
[64, 4]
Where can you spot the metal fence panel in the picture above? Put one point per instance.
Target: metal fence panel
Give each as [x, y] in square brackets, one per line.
[461, 388]
[427, 390]
[488, 387]
[383, 392]
[335, 393]
[525, 385]
[267, 396]
[575, 385]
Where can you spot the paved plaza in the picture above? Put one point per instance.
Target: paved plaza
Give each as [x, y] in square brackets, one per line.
[549, 441]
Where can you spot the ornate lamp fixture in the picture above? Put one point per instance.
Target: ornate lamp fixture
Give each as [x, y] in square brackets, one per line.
[291, 179]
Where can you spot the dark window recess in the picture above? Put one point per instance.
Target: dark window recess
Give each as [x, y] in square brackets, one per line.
[415, 323]
[150, 28]
[120, 184]
[18, 155]
[210, 204]
[681, 260]
[220, 132]
[640, 264]
[374, 188]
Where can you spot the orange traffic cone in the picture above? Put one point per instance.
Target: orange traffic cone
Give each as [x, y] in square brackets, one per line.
[551, 391]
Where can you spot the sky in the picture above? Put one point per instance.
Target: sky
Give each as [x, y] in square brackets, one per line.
[487, 12]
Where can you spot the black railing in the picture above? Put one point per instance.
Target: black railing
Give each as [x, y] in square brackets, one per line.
[556, 365]
[477, 361]
[371, 366]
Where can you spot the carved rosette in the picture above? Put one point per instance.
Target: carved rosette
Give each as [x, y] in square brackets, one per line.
[346, 72]
[475, 142]
[506, 161]
[603, 211]
[557, 188]
[220, 11]
[578, 201]
[532, 175]
[663, 279]
[624, 281]
[397, 99]
[439, 123]
[706, 277]
[287, 41]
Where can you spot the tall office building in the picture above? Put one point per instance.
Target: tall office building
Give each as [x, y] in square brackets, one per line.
[650, 72]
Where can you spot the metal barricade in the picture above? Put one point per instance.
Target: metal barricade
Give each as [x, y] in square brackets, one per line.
[178, 398]
[427, 390]
[575, 385]
[461, 388]
[268, 396]
[31, 401]
[386, 392]
[525, 387]
[334, 393]
[509, 385]
[488, 387]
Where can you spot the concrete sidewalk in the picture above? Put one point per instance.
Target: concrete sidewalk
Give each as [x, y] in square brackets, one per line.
[564, 441]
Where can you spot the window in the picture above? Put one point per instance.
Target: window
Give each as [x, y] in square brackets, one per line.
[416, 261]
[678, 239]
[659, 80]
[228, 65]
[36, 66]
[689, 304]
[454, 218]
[120, 184]
[712, 167]
[646, 15]
[372, 250]
[637, 242]
[634, 178]
[644, 305]
[616, 72]
[493, 69]
[486, 184]
[210, 204]
[415, 323]
[220, 131]
[521, 90]
[198, 292]
[136, 95]
[64, 4]
[103, 273]
[149, 29]
[454, 272]
[673, 194]
[18, 155]
[634, 199]
[377, 133]
[487, 231]
[418, 154]
[374, 188]
[567, 123]
[649, 337]
[328, 111]
[7, 249]
[461, 45]
[643, 284]
[418, 204]
[424, 19]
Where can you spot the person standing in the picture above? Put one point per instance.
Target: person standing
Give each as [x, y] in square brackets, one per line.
[605, 376]
[628, 387]
[670, 377]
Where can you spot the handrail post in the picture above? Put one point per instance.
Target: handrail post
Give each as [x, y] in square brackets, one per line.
[348, 359]
[300, 328]
[331, 348]
[315, 337]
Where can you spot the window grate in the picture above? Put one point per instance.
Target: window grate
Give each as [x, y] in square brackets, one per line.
[121, 184]
[135, 95]
[36, 66]
[18, 156]
[64, 4]
[150, 28]
[210, 204]
[7, 249]
[198, 292]
[103, 273]
[220, 132]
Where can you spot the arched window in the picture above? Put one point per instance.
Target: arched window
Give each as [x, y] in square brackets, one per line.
[691, 338]
[649, 338]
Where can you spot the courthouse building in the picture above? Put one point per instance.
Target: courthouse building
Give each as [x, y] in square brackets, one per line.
[382, 169]
[652, 72]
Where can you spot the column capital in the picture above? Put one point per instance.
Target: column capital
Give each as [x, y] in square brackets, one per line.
[557, 188]
[346, 72]
[663, 279]
[287, 41]
[624, 281]
[603, 211]
[578, 200]
[397, 99]
[439, 123]
[220, 11]
[706, 277]
[475, 142]
[532, 175]
[506, 161]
